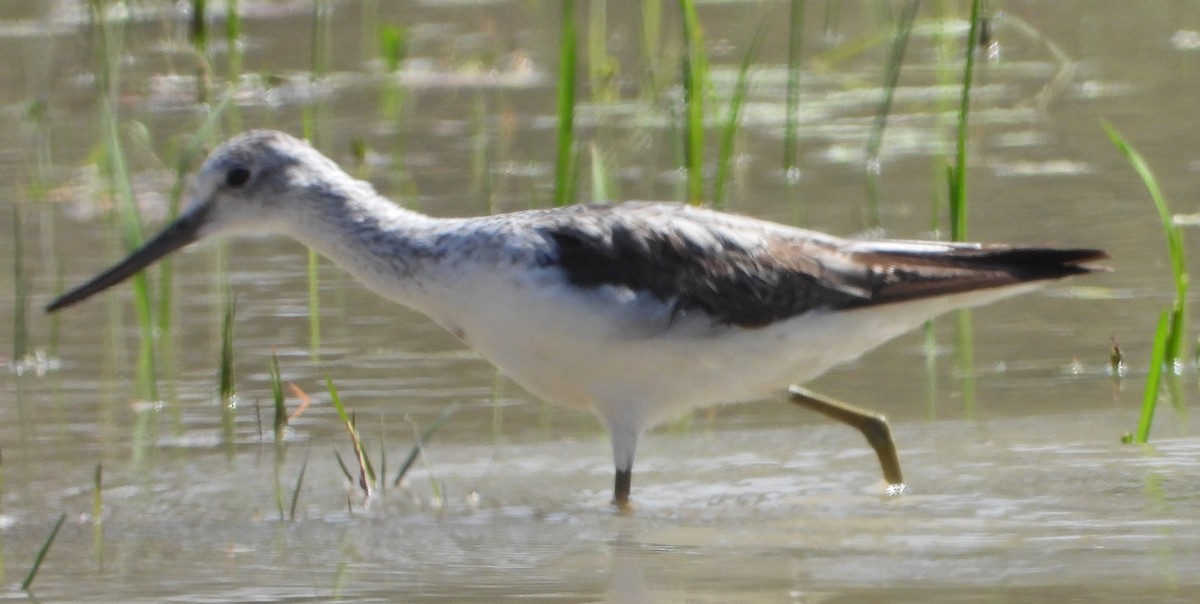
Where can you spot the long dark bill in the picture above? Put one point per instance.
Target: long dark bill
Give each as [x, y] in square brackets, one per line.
[178, 234]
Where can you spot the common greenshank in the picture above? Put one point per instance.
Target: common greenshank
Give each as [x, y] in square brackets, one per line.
[636, 311]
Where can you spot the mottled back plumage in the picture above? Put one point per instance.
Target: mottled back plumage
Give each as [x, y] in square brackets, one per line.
[756, 275]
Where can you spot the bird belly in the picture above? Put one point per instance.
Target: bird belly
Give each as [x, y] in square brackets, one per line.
[619, 353]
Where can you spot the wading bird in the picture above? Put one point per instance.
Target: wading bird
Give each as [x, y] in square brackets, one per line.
[637, 312]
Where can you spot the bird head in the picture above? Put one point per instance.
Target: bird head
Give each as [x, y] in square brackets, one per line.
[246, 185]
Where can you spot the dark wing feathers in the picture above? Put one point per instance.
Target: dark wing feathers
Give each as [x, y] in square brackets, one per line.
[901, 276]
[749, 273]
[725, 280]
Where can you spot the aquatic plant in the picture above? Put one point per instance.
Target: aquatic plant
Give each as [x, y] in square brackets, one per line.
[695, 87]
[1169, 332]
[366, 477]
[792, 118]
[891, 77]
[565, 150]
[422, 439]
[41, 554]
[733, 119]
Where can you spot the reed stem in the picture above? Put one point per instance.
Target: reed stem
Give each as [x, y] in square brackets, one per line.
[564, 167]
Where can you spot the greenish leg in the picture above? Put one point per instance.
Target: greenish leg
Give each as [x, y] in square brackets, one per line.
[872, 425]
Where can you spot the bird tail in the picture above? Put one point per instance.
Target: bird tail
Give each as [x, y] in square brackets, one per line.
[911, 270]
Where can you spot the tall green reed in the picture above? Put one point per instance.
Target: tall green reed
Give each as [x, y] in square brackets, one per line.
[695, 87]
[482, 182]
[279, 424]
[225, 375]
[602, 67]
[233, 35]
[725, 153]
[20, 339]
[945, 42]
[366, 477]
[225, 378]
[185, 157]
[296, 490]
[891, 79]
[1169, 333]
[602, 184]
[198, 33]
[311, 117]
[393, 45]
[957, 173]
[98, 516]
[791, 126]
[957, 180]
[314, 305]
[565, 153]
[198, 25]
[393, 49]
[110, 39]
[652, 48]
[37, 118]
[41, 554]
[423, 438]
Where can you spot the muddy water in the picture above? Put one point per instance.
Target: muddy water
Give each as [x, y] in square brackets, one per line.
[1019, 487]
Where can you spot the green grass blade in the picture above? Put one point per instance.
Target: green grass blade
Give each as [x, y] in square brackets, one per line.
[695, 85]
[199, 25]
[957, 177]
[278, 491]
[337, 401]
[41, 555]
[98, 515]
[891, 78]
[133, 232]
[1158, 358]
[233, 22]
[111, 37]
[958, 183]
[965, 356]
[1168, 339]
[343, 466]
[233, 31]
[225, 373]
[601, 181]
[321, 32]
[281, 417]
[184, 160]
[602, 67]
[393, 46]
[1174, 235]
[564, 156]
[424, 437]
[791, 123]
[314, 305]
[296, 489]
[367, 473]
[20, 340]
[733, 118]
[652, 47]
[382, 463]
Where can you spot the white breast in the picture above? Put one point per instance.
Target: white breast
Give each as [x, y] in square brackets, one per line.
[613, 351]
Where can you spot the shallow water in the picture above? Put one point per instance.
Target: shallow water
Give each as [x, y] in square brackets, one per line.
[1019, 489]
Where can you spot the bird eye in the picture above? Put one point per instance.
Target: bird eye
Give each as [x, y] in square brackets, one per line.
[237, 176]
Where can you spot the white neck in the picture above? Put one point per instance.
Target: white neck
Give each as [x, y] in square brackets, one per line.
[389, 248]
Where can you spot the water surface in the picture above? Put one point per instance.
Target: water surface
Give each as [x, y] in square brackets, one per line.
[1019, 487]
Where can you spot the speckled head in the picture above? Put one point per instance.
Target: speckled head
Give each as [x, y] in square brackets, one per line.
[252, 183]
